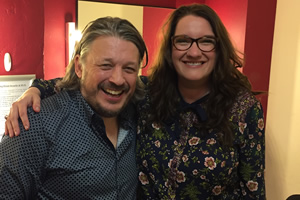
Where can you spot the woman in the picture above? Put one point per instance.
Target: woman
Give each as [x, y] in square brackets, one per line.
[201, 129]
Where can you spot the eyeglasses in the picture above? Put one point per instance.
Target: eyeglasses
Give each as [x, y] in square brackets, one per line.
[183, 43]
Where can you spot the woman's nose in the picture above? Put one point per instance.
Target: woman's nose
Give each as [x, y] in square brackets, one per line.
[194, 50]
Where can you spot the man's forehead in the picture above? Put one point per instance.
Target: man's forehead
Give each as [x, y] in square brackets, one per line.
[113, 49]
[111, 41]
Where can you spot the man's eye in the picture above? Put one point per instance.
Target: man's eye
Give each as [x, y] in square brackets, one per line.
[130, 69]
[105, 66]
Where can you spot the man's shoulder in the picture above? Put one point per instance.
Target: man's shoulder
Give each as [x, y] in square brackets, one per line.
[56, 101]
[54, 111]
[60, 102]
[58, 114]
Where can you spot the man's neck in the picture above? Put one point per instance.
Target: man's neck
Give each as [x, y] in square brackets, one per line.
[112, 129]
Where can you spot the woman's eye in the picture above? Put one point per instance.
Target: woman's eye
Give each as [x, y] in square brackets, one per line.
[207, 41]
[182, 41]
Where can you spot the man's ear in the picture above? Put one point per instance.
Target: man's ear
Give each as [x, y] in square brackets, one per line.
[78, 66]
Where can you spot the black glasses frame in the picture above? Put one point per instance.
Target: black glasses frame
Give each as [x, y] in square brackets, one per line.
[194, 40]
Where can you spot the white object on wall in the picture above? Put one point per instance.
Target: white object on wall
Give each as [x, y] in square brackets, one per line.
[72, 37]
[7, 62]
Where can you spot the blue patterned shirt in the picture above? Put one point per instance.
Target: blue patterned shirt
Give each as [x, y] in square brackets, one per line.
[66, 154]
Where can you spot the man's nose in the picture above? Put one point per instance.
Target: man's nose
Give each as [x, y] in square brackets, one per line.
[117, 76]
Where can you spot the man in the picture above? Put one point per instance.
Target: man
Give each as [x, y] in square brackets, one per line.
[81, 145]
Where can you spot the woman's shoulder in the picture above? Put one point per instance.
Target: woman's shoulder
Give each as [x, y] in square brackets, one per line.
[246, 96]
[244, 101]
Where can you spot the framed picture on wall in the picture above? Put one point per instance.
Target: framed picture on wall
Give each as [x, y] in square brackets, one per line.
[11, 88]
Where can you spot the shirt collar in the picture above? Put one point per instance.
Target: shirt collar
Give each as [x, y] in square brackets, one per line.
[195, 106]
[127, 118]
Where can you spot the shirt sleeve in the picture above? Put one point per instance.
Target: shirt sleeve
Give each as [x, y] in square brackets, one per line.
[252, 154]
[46, 87]
[21, 163]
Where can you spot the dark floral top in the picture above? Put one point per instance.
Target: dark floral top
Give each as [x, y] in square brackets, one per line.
[175, 162]
[183, 165]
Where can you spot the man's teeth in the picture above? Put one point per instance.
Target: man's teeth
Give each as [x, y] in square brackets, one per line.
[113, 92]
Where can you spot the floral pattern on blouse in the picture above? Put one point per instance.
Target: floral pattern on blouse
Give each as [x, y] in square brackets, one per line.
[46, 87]
[206, 170]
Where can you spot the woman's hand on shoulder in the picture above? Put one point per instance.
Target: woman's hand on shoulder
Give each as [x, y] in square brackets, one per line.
[31, 97]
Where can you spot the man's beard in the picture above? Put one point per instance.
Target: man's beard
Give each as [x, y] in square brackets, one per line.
[108, 113]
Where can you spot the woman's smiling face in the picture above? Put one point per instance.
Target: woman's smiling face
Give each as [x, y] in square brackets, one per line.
[193, 65]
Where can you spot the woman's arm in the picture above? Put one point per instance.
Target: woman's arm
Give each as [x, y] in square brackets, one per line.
[31, 97]
[252, 155]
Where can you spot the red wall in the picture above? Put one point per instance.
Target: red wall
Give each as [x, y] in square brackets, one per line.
[233, 14]
[158, 3]
[57, 13]
[22, 35]
[155, 3]
[259, 43]
[153, 16]
[33, 32]
[185, 2]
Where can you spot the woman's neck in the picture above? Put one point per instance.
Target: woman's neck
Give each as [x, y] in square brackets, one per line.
[192, 92]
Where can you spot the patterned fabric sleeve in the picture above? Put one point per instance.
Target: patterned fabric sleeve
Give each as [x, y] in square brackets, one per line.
[21, 161]
[46, 87]
[252, 154]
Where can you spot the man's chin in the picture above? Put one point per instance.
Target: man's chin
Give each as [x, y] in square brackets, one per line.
[108, 113]
[109, 110]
